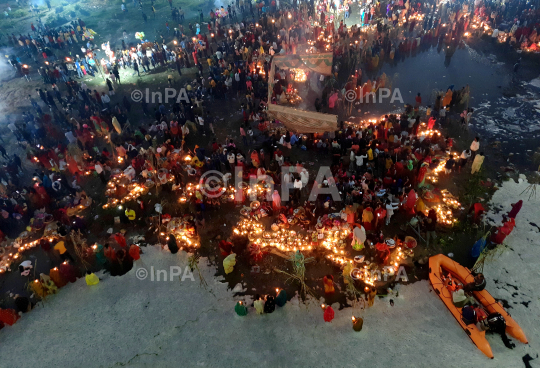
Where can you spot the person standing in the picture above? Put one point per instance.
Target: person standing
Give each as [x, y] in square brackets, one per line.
[136, 68]
[116, 74]
[431, 224]
[179, 65]
[111, 88]
[17, 161]
[418, 100]
[100, 172]
[463, 159]
[390, 211]
[442, 115]
[3, 152]
[477, 162]
[105, 100]
[244, 137]
[181, 14]
[200, 119]
[475, 146]
[449, 165]
[517, 65]
[79, 70]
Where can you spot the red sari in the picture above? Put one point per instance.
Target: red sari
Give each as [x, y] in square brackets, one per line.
[72, 165]
[411, 202]
[367, 218]
[380, 215]
[120, 239]
[421, 175]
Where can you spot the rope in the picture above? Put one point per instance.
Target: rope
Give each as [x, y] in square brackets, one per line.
[485, 306]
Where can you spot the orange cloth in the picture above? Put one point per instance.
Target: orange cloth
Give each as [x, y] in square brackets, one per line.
[57, 278]
[328, 285]
[134, 251]
[367, 218]
[38, 288]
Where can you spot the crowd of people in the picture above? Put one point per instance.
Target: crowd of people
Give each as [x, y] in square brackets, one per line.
[75, 136]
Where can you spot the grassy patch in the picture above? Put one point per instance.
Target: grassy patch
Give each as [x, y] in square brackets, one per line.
[19, 13]
[473, 189]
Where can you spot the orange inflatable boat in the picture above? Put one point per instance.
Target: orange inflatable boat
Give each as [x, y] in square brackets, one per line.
[439, 267]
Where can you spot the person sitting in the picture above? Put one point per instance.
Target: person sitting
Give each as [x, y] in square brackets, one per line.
[91, 278]
[468, 313]
[460, 299]
[478, 284]
[328, 282]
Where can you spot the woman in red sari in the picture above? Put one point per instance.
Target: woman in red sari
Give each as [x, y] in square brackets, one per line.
[410, 203]
[367, 218]
[41, 198]
[255, 159]
[72, 165]
[422, 175]
[380, 216]
[276, 201]
[120, 239]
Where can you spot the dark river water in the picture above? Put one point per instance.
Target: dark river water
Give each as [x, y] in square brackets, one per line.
[506, 105]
